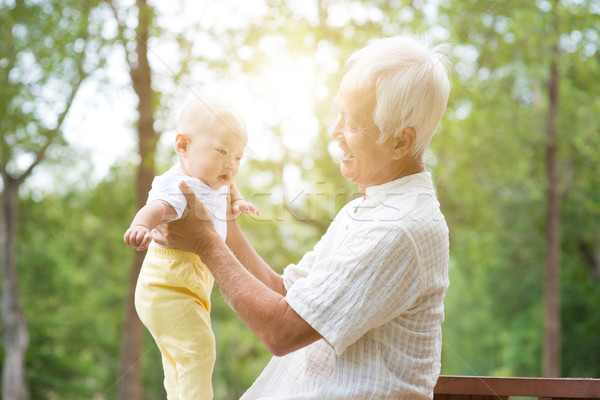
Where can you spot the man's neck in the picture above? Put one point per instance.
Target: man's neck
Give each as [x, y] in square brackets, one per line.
[406, 168]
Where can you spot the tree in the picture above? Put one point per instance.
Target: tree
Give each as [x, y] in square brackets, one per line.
[552, 327]
[507, 148]
[487, 159]
[136, 52]
[73, 282]
[44, 60]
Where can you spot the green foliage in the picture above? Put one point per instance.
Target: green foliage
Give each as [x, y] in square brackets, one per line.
[240, 356]
[46, 51]
[74, 269]
[486, 159]
[491, 179]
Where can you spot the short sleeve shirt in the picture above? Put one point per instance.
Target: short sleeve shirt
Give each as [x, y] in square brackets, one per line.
[165, 187]
[373, 287]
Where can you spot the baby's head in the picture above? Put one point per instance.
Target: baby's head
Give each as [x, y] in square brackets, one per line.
[210, 141]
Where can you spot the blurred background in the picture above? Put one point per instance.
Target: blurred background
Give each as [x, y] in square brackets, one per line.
[89, 95]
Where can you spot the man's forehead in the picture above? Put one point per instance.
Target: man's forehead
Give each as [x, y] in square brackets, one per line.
[356, 95]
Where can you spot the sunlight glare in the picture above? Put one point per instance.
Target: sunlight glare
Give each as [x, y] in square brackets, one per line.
[284, 87]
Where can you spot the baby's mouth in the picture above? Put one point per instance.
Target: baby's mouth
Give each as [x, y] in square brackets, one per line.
[223, 178]
[348, 155]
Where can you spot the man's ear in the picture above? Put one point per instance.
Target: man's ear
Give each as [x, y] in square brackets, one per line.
[182, 143]
[403, 143]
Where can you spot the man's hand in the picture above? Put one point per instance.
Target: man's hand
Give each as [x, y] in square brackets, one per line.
[194, 232]
[255, 296]
[137, 237]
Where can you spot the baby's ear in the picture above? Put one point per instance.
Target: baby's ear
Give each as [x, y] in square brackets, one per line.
[181, 143]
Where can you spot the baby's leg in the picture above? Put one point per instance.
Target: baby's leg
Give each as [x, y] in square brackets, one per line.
[193, 348]
[178, 318]
[185, 335]
[170, 370]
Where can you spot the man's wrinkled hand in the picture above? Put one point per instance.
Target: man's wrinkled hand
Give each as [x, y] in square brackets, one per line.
[193, 232]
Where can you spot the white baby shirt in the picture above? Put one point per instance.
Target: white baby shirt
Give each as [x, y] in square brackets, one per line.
[166, 187]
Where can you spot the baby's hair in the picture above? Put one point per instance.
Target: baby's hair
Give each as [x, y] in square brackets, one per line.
[411, 86]
[209, 110]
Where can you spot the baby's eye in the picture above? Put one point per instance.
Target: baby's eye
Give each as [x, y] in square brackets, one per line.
[238, 158]
[221, 151]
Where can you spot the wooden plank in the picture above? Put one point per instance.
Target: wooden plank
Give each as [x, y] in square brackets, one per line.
[568, 388]
[467, 397]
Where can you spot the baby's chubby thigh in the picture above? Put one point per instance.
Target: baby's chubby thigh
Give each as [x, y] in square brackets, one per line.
[172, 299]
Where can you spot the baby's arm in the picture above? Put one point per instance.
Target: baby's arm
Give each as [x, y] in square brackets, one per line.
[149, 217]
[239, 205]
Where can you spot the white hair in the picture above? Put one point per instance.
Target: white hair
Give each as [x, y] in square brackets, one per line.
[411, 86]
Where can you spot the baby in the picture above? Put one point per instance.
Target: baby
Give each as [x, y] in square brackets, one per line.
[172, 296]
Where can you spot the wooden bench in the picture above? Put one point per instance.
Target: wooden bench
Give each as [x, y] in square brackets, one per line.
[495, 388]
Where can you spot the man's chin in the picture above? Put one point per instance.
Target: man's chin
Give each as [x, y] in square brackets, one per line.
[347, 173]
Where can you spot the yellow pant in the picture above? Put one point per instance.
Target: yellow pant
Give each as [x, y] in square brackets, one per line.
[172, 298]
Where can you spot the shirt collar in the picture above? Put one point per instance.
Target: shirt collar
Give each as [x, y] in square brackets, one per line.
[406, 184]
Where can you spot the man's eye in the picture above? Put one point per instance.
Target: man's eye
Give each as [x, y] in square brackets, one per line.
[359, 129]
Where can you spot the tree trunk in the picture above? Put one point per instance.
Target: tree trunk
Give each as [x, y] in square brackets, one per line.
[16, 335]
[552, 325]
[130, 387]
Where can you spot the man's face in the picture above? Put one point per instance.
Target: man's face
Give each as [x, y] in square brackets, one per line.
[364, 162]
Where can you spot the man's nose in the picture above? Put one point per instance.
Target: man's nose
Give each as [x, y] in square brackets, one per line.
[336, 131]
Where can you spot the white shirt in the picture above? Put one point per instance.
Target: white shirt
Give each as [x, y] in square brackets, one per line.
[165, 187]
[373, 287]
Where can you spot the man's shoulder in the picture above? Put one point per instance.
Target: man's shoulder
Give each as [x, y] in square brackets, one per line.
[421, 224]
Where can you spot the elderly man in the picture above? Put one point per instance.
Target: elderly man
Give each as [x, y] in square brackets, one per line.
[359, 316]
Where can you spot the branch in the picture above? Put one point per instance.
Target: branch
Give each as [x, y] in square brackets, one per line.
[592, 260]
[54, 133]
[5, 154]
[120, 24]
[301, 218]
[10, 54]
[121, 28]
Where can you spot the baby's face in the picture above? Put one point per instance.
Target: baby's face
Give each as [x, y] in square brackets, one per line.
[214, 156]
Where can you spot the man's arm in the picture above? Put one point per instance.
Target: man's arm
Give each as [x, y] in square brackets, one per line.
[261, 307]
[249, 258]
[264, 310]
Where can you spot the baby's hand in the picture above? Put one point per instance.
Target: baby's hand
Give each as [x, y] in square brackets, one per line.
[242, 206]
[137, 237]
